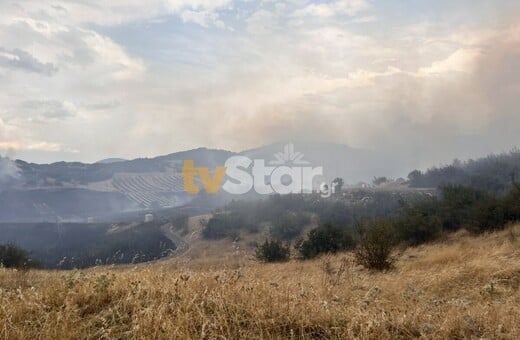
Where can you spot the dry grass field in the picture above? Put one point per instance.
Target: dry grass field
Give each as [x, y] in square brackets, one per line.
[463, 287]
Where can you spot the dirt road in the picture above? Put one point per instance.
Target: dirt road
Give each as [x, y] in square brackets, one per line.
[181, 245]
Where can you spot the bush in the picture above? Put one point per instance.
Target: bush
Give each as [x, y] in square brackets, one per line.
[458, 205]
[12, 256]
[420, 222]
[377, 240]
[223, 225]
[325, 239]
[289, 226]
[512, 203]
[272, 251]
[180, 223]
[336, 213]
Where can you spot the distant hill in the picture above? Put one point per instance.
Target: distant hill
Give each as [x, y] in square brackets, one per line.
[337, 160]
[110, 160]
[493, 173]
[83, 173]
[74, 191]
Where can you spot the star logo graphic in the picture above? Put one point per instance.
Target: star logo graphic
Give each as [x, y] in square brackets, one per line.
[288, 156]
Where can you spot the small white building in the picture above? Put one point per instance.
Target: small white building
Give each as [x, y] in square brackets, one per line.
[90, 220]
[148, 218]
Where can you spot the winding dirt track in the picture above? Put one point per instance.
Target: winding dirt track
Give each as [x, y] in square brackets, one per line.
[181, 245]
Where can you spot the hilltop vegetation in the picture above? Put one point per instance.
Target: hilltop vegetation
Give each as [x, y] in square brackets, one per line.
[316, 226]
[287, 216]
[492, 173]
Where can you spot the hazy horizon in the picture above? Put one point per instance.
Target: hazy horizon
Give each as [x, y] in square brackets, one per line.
[393, 173]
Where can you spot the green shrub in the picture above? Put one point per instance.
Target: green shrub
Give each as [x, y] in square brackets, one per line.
[12, 256]
[325, 239]
[289, 225]
[377, 240]
[223, 225]
[458, 205]
[272, 251]
[420, 223]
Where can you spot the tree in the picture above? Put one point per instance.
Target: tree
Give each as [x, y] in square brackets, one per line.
[325, 239]
[289, 225]
[461, 205]
[420, 222]
[414, 176]
[379, 180]
[338, 183]
[376, 244]
[12, 256]
[272, 251]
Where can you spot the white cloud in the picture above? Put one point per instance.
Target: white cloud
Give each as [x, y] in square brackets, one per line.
[112, 55]
[45, 28]
[334, 8]
[45, 47]
[13, 138]
[462, 60]
[108, 13]
[43, 110]
[34, 146]
[262, 22]
[295, 68]
[202, 18]
[22, 60]
[367, 19]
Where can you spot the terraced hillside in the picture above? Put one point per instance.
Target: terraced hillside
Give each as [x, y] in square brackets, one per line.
[151, 189]
[74, 191]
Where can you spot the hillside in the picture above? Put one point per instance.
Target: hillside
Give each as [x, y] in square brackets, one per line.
[492, 173]
[74, 191]
[77, 245]
[463, 287]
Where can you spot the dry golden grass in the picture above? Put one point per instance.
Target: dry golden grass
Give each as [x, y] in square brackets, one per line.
[464, 287]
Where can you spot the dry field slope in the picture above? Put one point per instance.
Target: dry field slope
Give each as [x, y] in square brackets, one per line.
[464, 287]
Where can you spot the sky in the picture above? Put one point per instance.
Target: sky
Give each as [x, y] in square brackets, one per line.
[423, 81]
